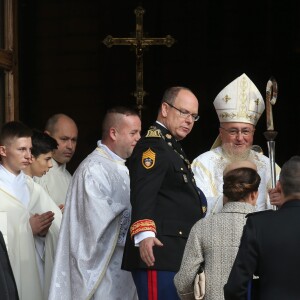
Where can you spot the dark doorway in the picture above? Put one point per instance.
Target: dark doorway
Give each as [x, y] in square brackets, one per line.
[65, 67]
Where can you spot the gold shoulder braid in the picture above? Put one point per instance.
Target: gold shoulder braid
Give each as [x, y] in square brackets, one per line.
[153, 132]
[156, 132]
[168, 138]
[149, 158]
[171, 141]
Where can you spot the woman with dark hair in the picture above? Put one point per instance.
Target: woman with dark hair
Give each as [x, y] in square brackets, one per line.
[214, 241]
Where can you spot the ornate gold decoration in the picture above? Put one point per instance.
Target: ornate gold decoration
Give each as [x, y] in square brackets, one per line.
[226, 98]
[250, 117]
[139, 42]
[153, 133]
[142, 225]
[148, 159]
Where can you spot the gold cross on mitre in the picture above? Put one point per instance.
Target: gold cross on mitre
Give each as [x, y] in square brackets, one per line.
[256, 102]
[226, 98]
[139, 42]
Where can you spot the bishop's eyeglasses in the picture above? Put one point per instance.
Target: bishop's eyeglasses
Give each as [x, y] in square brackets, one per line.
[235, 131]
[185, 114]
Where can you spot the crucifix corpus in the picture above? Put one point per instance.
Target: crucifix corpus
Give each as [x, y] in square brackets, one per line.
[139, 42]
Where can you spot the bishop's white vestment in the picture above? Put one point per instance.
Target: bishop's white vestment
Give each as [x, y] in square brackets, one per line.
[93, 232]
[208, 170]
[56, 182]
[20, 240]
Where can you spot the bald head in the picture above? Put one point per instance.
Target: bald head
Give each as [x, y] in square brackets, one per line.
[64, 130]
[178, 111]
[55, 122]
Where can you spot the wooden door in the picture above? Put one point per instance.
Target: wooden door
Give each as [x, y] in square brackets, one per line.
[9, 101]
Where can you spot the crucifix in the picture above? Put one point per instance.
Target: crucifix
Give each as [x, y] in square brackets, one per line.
[139, 42]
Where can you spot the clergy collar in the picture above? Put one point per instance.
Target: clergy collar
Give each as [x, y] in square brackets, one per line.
[112, 154]
[9, 175]
[10, 180]
[57, 165]
[15, 185]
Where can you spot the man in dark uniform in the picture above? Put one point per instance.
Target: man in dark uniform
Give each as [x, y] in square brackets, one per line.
[8, 287]
[165, 199]
[270, 245]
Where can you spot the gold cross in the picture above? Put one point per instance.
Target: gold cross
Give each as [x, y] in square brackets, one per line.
[256, 102]
[139, 42]
[226, 98]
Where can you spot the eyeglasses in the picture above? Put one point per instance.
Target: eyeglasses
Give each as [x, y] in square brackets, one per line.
[235, 131]
[185, 114]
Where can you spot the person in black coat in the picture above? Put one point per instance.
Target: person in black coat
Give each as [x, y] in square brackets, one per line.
[8, 287]
[270, 245]
[165, 200]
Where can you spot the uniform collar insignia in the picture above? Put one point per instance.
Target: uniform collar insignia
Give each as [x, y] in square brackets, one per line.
[153, 132]
[166, 135]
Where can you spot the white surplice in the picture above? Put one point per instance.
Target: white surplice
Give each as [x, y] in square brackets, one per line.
[208, 170]
[20, 240]
[56, 182]
[93, 232]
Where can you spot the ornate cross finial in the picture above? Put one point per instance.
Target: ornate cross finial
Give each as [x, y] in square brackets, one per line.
[140, 43]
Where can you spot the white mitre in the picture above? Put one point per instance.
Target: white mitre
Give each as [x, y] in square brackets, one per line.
[240, 101]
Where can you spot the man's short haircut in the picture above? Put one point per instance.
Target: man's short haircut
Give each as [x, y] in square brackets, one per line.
[290, 176]
[113, 116]
[171, 94]
[42, 143]
[13, 129]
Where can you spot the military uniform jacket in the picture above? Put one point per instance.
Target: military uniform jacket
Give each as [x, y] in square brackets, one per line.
[164, 199]
[270, 249]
